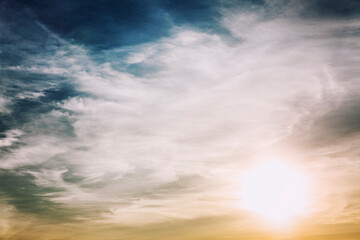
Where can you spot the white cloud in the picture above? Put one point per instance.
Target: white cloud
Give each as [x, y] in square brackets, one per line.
[11, 137]
[38, 149]
[3, 103]
[207, 101]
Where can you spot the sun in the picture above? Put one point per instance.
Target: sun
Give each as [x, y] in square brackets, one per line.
[275, 190]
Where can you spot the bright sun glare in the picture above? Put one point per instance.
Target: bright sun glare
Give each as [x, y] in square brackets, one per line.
[276, 191]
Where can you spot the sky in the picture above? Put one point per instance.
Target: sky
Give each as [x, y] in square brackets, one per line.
[138, 119]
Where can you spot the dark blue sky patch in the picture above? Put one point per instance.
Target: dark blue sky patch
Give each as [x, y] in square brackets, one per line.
[202, 13]
[331, 8]
[21, 36]
[24, 111]
[101, 24]
[19, 82]
[32, 96]
[109, 23]
[63, 91]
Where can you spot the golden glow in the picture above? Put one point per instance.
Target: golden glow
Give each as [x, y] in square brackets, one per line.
[275, 191]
